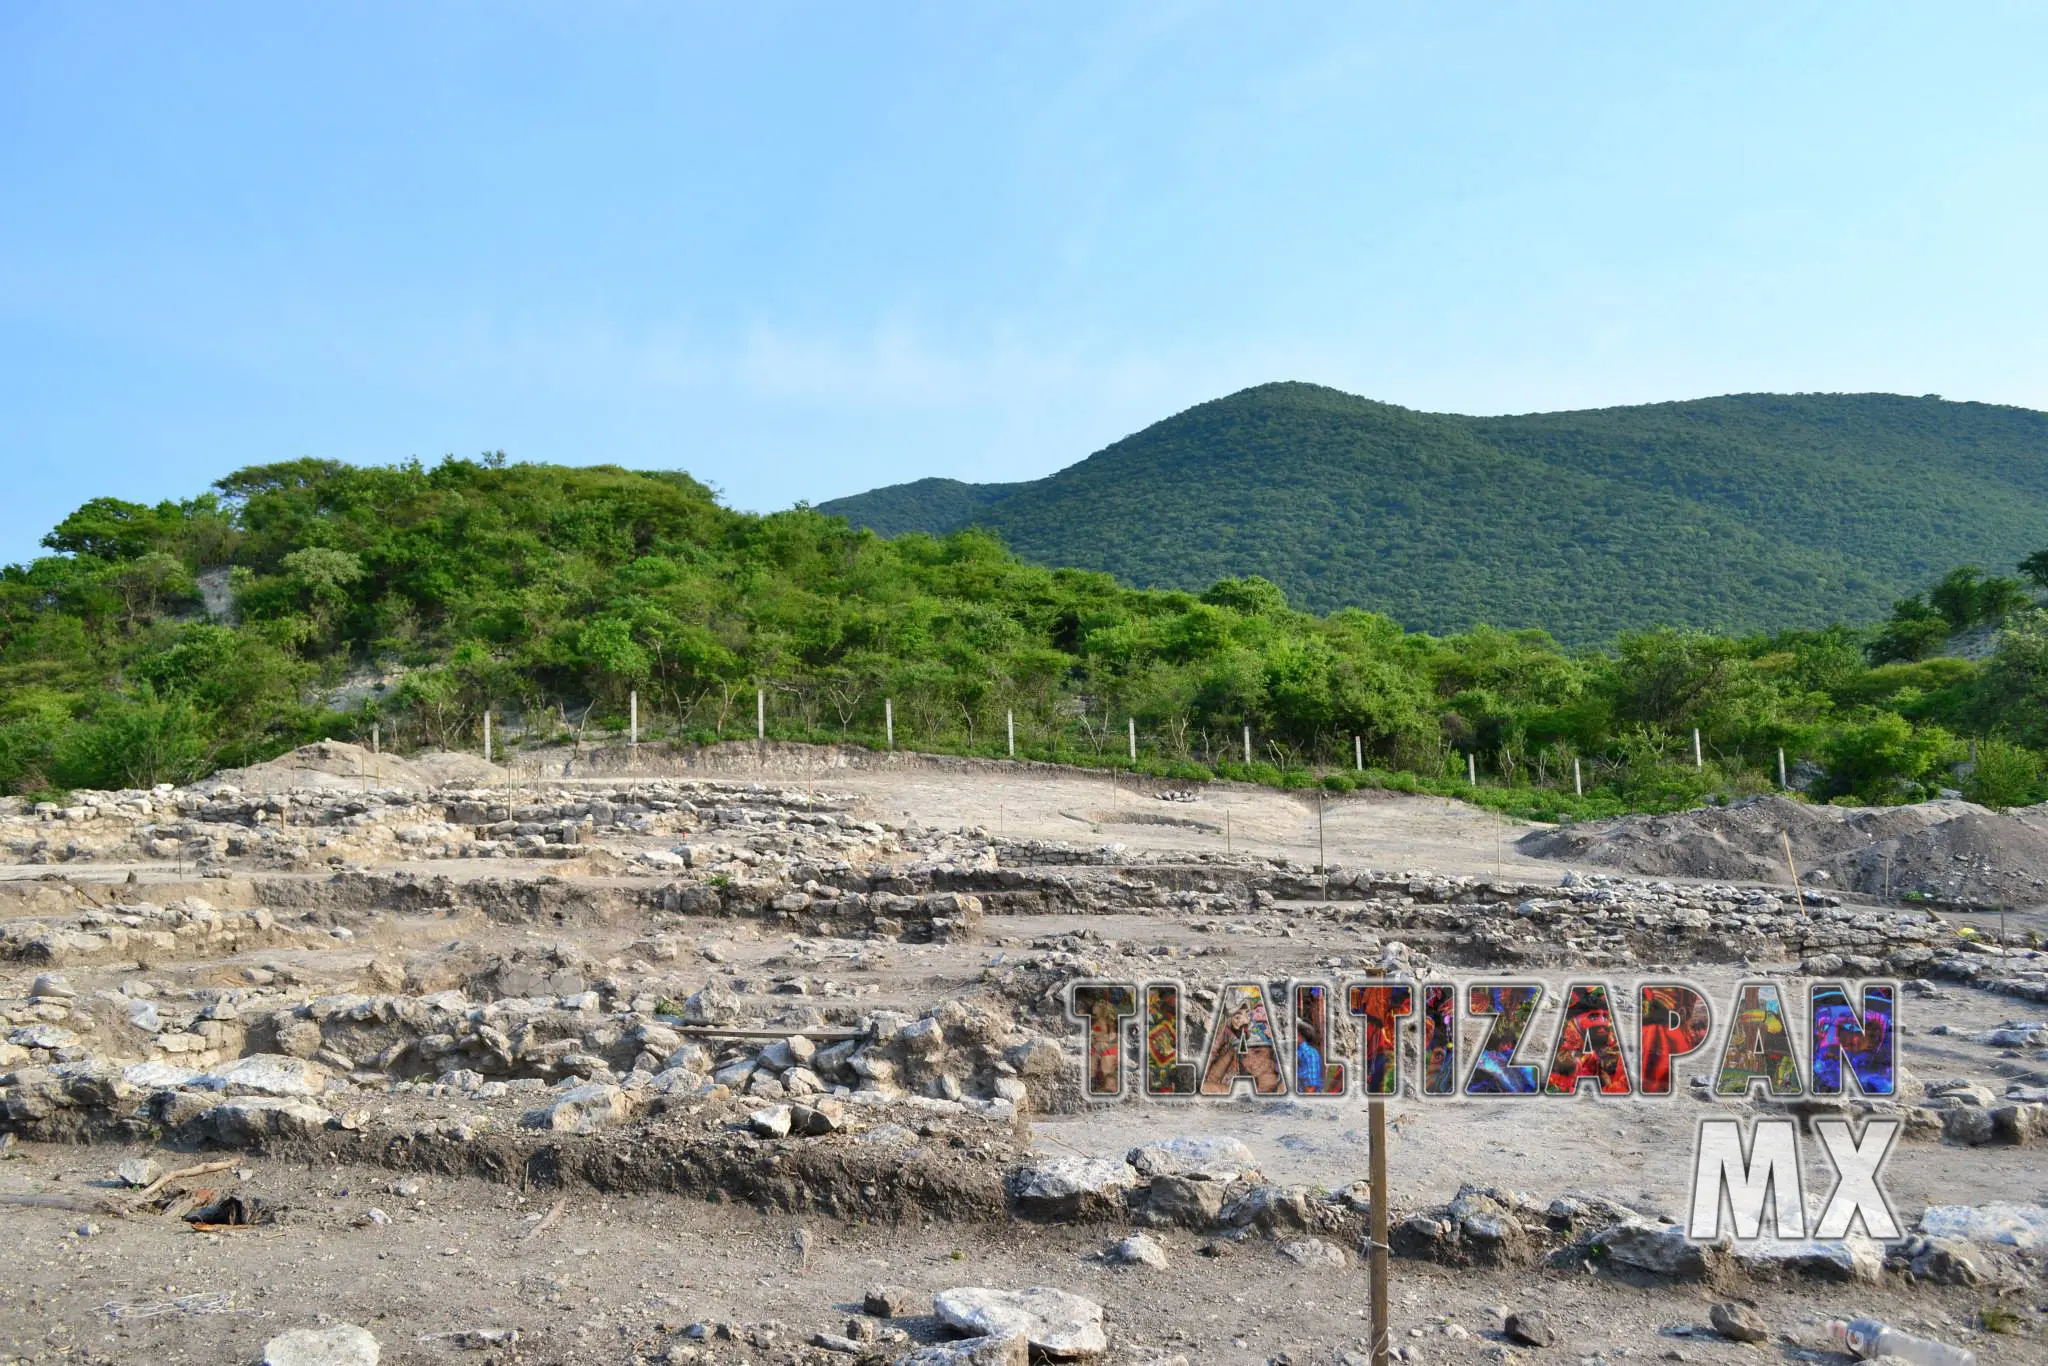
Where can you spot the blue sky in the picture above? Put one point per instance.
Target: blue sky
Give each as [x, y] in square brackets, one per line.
[802, 250]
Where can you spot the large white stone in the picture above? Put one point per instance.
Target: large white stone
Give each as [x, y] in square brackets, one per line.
[1069, 1185]
[255, 1118]
[1849, 1259]
[2001, 1223]
[1212, 1157]
[586, 1109]
[340, 1344]
[266, 1074]
[1053, 1322]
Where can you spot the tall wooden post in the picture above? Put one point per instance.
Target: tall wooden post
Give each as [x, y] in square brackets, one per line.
[376, 738]
[1781, 767]
[1358, 752]
[1132, 723]
[1376, 1135]
[1697, 761]
[889, 720]
[487, 734]
[633, 720]
[1010, 724]
[760, 713]
[1578, 778]
[1247, 746]
[1472, 769]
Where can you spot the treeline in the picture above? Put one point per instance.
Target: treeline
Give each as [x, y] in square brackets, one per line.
[313, 599]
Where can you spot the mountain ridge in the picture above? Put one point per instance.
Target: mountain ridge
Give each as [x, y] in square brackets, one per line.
[1738, 512]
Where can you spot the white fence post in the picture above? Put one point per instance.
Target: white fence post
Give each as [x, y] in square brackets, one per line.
[1010, 722]
[889, 720]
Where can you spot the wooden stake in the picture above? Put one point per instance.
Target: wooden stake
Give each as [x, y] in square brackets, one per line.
[760, 713]
[1697, 761]
[487, 734]
[1322, 861]
[1010, 723]
[1358, 753]
[1247, 746]
[1132, 723]
[1578, 778]
[1781, 767]
[1472, 769]
[633, 720]
[889, 720]
[1797, 891]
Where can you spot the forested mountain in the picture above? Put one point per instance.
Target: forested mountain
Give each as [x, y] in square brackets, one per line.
[1742, 513]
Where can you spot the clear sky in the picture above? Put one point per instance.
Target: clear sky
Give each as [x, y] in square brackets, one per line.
[802, 250]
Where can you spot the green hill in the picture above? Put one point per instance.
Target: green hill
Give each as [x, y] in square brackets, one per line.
[1741, 513]
[312, 598]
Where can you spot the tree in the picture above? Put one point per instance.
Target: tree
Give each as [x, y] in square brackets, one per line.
[1966, 596]
[1915, 630]
[2035, 567]
[1883, 759]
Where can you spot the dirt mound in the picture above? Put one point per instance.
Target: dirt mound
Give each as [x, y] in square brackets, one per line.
[1949, 850]
[338, 764]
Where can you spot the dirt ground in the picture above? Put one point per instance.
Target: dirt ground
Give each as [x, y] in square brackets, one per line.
[541, 1250]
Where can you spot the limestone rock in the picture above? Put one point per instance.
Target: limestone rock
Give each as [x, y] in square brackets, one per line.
[1530, 1328]
[1184, 1202]
[340, 1344]
[2000, 1223]
[773, 1122]
[266, 1074]
[1660, 1249]
[1314, 1252]
[137, 1171]
[1052, 1322]
[1213, 1157]
[240, 1123]
[984, 1351]
[1140, 1249]
[1070, 1187]
[1739, 1323]
[887, 1302]
[586, 1109]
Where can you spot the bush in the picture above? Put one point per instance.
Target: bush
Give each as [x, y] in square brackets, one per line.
[135, 742]
[2006, 775]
